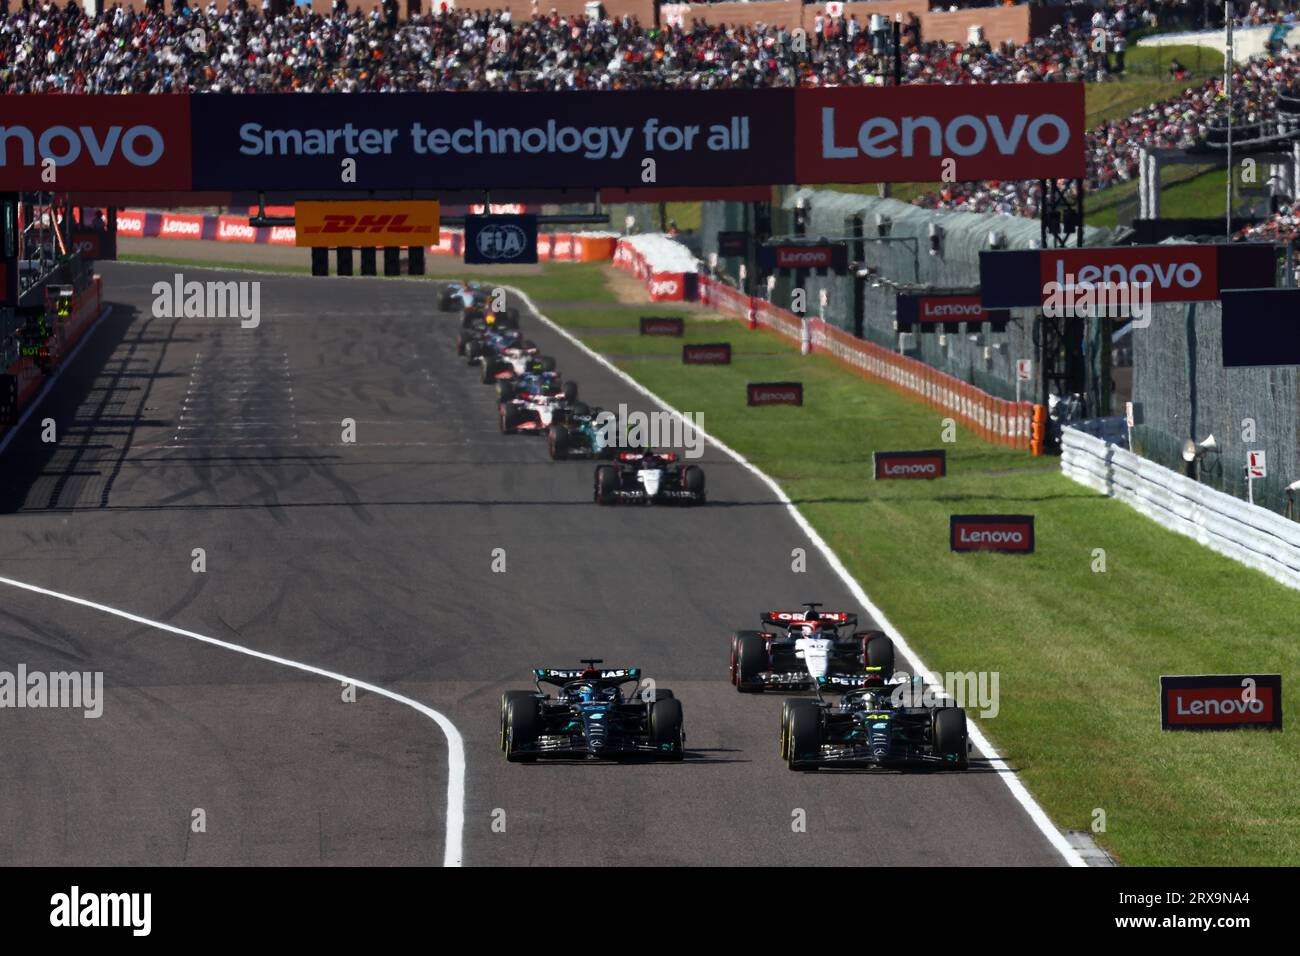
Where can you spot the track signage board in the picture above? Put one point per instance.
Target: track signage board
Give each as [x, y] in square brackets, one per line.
[375, 224]
[1221, 702]
[501, 240]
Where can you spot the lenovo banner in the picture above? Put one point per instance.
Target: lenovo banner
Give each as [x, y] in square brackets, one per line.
[798, 255]
[663, 325]
[775, 393]
[931, 309]
[333, 224]
[1174, 273]
[1012, 533]
[500, 140]
[938, 133]
[95, 142]
[909, 464]
[567, 140]
[1261, 327]
[712, 353]
[1221, 702]
[501, 240]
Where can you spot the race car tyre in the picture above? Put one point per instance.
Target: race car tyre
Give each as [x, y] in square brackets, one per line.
[506, 699]
[950, 740]
[662, 694]
[448, 302]
[606, 482]
[571, 391]
[693, 481]
[580, 408]
[751, 660]
[804, 735]
[473, 350]
[878, 651]
[557, 442]
[488, 374]
[509, 418]
[548, 363]
[467, 320]
[666, 728]
[790, 705]
[523, 727]
[505, 390]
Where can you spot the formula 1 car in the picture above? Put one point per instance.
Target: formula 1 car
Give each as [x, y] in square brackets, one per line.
[535, 403]
[578, 434]
[475, 301]
[590, 717]
[642, 477]
[809, 650]
[868, 726]
[512, 361]
[535, 378]
[474, 344]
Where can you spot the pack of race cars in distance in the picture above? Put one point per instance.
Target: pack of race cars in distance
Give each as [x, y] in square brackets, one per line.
[590, 717]
[532, 397]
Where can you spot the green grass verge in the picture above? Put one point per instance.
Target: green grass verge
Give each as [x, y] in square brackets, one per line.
[1079, 652]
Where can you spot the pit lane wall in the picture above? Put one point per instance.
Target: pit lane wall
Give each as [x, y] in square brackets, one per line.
[25, 375]
[146, 223]
[1249, 534]
[672, 274]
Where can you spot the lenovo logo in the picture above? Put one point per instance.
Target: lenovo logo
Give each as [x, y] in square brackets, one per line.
[666, 288]
[1010, 533]
[909, 464]
[818, 257]
[1170, 273]
[939, 309]
[172, 226]
[967, 134]
[1221, 702]
[139, 145]
[775, 393]
[663, 325]
[713, 354]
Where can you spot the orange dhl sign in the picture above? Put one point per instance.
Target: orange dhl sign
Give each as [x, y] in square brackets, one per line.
[365, 223]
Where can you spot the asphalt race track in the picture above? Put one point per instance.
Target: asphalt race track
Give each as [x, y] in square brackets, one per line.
[374, 560]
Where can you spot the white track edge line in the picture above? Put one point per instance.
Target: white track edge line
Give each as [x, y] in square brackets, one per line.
[1007, 775]
[453, 849]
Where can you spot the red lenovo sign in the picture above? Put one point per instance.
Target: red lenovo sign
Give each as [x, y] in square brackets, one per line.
[715, 353]
[775, 393]
[909, 464]
[127, 142]
[1174, 273]
[663, 325]
[1221, 702]
[1011, 131]
[804, 257]
[951, 308]
[1013, 533]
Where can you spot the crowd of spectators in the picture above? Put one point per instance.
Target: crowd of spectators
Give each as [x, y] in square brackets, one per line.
[45, 48]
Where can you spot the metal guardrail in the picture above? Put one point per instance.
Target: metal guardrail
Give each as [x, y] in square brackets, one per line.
[1250, 535]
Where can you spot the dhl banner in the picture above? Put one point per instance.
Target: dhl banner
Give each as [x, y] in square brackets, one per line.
[332, 224]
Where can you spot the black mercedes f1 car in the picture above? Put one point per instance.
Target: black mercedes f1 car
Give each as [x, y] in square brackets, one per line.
[869, 727]
[590, 717]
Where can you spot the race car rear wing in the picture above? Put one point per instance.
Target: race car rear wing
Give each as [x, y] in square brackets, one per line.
[786, 618]
[559, 676]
